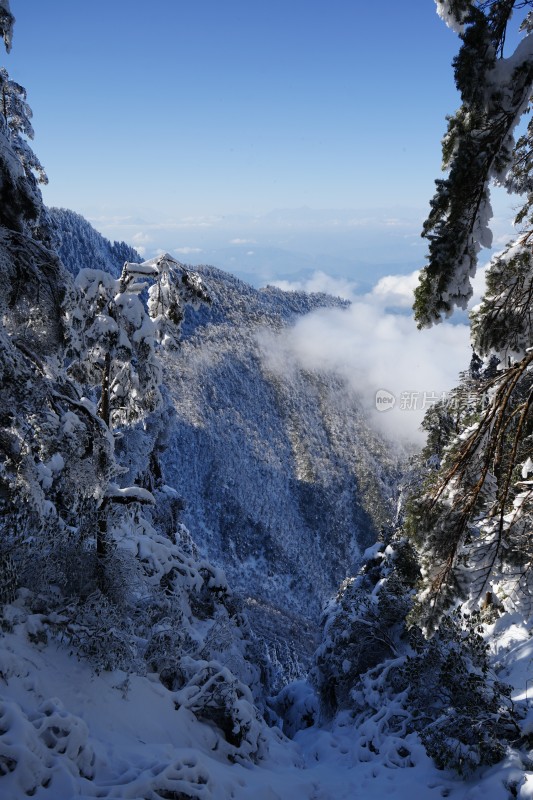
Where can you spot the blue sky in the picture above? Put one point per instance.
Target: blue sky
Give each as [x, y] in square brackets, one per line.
[239, 131]
[287, 141]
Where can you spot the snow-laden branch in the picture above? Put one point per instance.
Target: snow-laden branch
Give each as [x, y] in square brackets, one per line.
[477, 149]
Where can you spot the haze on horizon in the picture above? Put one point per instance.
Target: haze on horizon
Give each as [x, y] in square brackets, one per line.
[238, 133]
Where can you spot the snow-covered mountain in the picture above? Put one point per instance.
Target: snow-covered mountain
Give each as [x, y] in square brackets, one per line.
[139, 676]
[80, 246]
[283, 483]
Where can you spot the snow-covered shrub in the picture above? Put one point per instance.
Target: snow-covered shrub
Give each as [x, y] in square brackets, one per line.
[375, 663]
[144, 607]
[163, 652]
[441, 688]
[22, 755]
[215, 695]
[463, 713]
[297, 705]
[365, 622]
[101, 632]
[8, 578]
[182, 778]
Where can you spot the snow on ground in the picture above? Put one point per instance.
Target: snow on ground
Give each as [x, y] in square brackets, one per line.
[67, 732]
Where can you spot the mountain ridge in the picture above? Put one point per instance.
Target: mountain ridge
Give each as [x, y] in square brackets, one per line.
[283, 482]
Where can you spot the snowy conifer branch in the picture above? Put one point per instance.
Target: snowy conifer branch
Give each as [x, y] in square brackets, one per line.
[453, 13]
[477, 148]
[7, 21]
[481, 483]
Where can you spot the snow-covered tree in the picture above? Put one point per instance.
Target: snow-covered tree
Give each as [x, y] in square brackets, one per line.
[376, 664]
[147, 602]
[364, 624]
[55, 453]
[6, 23]
[473, 520]
[423, 663]
[478, 148]
[115, 334]
[115, 329]
[17, 116]
[21, 204]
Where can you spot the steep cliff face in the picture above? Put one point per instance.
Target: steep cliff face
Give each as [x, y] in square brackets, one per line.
[283, 481]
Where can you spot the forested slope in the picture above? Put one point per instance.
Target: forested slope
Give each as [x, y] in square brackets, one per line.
[283, 482]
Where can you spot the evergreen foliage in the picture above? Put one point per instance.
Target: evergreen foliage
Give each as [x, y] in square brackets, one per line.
[364, 625]
[399, 652]
[17, 116]
[477, 148]
[462, 711]
[93, 554]
[378, 665]
[472, 522]
[80, 246]
[114, 335]
[21, 171]
[6, 23]
[56, 454]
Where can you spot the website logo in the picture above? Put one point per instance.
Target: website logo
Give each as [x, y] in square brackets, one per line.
[385, 400]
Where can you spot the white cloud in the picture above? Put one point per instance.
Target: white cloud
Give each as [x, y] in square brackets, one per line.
[141, 238]
[380, 221]
[242, 241]
[361, 222]
[394, 222]
[376, 349]
[110, 221]
[139, 241]
[185, 251]
[200, 222]
[395, 290]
